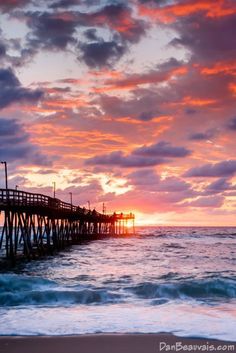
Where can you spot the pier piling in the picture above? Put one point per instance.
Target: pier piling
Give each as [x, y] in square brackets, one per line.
[34, 225]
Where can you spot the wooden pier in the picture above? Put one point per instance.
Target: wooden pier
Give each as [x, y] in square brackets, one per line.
[34, 225]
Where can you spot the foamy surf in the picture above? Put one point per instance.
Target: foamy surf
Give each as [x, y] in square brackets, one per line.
[165, 280]
[25, 291]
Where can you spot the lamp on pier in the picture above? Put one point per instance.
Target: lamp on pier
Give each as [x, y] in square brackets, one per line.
[70, 198]
[54, 189]
[6, 181]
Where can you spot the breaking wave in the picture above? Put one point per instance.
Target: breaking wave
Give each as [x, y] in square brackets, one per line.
[198, 289]
[24, 291]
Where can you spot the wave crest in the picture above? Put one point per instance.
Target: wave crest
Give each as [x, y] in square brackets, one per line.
[24, 291]
[196, 289]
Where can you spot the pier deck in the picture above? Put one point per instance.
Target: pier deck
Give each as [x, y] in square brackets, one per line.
[34, 224]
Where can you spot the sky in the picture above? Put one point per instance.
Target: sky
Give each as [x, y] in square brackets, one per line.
[126, 103]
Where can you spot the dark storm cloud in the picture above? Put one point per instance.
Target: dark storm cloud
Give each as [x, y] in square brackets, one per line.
[159, 74]
[118, 17]
[232, 124]
[142, 178]
[12, 91]
[91, 34]
[191, 91]
[55, 31]
[101, 53]
[148, 115]
[8, 79]
[69, 3]
[202, 136]
[185, 87]
[51, 31]
[170, 64]
[209, 39]
[198, 136]
[221, 169]
[211, 201]
[21, 55]
[162, 149]
[11, 132]
[120, 160]
[3, 49]
[97, 52]
[135, 107]
[190, 111]
[149, 180]
[146, 156]
[7, 5]
[175, 184]
[219, 186]
[16, 145]
[155, 2]
[64, 4]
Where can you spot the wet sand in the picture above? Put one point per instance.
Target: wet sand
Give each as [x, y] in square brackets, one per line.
[112, 343]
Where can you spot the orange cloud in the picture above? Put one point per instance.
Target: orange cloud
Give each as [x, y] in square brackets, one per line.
[195, 101]
[200, 102]
[123, 22]
[106, 73]
[148, 123]
[135, 80]
[78, 142]
[55, 104]
[220, 67]
[232, 88]
[217, 8]
[39, 109]
[66, 103]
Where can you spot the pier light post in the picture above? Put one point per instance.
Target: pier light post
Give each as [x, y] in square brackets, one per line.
[70, 199]
[54, 189]
[88, 205]
[6, 181]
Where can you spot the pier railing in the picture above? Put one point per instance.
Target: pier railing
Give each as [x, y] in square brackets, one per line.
[10, 198]
[36, 224]
[13, 198]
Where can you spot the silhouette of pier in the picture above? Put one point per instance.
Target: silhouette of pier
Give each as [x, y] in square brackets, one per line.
[34, 225]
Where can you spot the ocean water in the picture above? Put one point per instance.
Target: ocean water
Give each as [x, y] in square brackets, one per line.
[165, 279]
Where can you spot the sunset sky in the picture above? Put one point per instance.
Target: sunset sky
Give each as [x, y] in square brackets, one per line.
[130, 103]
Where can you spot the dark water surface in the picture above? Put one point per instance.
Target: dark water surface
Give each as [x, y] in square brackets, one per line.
[180, 280]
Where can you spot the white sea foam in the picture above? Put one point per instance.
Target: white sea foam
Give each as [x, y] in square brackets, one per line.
[166, 279]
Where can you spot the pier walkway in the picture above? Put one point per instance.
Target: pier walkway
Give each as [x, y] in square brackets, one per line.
[34, 225]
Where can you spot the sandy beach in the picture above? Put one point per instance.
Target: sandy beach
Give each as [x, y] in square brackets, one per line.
[112, 343]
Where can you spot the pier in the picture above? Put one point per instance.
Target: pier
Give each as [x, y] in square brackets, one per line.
[34, 225]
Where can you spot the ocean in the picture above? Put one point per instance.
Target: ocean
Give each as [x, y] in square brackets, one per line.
[164, 279]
